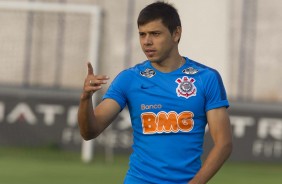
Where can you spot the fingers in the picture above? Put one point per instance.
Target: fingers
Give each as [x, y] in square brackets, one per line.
[93, 82]
[97, 80]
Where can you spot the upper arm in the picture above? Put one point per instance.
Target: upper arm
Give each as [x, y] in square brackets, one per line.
[219, 125]
[105, 113]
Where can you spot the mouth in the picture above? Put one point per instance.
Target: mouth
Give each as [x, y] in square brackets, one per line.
[150, 52]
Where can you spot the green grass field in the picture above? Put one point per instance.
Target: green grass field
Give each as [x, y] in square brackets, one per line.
[45, 166]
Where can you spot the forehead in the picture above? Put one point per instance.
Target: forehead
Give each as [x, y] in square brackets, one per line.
[155, 25]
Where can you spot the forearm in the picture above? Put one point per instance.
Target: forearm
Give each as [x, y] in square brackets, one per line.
[85, 118]
[91, 124]
[217, 156]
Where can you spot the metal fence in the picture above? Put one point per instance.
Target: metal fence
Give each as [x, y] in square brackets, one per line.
[45, 44]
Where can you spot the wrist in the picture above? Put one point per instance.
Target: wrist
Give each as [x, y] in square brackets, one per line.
[85, 96]
[196, 180]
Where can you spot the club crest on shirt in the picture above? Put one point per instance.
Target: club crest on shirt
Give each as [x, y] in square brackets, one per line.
[190, 70]
[149, 73]
[186, 87]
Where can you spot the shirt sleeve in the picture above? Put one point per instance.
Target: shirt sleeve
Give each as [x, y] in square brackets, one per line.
[117, 89]
[215, 92]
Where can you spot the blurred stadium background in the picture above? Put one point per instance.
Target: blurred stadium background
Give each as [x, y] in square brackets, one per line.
[45, 45]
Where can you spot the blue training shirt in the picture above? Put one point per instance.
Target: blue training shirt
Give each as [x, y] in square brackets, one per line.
[168, 116]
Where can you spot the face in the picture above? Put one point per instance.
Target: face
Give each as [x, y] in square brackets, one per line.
[157, 42]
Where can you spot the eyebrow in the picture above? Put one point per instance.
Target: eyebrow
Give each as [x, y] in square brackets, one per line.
[150, 32]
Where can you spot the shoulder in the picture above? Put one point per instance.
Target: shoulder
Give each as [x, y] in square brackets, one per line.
[203, 71]
[135, 70]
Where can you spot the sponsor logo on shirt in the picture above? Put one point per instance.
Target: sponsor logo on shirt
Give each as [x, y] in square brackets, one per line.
[190, 71]
[149, 73]
[164, 122]
[148, 107]
[186, 87]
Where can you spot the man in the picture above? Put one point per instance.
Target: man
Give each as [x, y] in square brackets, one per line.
[170, 99]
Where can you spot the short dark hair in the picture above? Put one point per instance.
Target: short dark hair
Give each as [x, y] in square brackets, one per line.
[160, 10]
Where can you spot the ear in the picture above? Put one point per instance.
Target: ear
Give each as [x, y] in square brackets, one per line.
[177, 34]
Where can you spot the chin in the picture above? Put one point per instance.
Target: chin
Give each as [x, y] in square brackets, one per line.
[153, 59]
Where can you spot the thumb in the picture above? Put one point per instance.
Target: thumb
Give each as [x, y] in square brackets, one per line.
[90, 69]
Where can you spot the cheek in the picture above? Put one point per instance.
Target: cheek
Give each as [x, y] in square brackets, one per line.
[165, 45]
[161, 43]
[166, 41]
[140, 41]
[142, 44]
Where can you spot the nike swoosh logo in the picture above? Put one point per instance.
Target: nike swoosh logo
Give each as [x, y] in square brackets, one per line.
[147, 86]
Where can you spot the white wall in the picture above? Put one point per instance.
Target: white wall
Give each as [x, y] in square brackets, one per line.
[205, 32]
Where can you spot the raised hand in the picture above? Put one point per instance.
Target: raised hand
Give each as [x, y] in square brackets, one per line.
[92, 82]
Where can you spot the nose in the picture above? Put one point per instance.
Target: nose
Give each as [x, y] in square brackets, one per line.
[148, 40]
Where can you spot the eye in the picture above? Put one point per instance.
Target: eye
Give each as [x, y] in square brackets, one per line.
[156, 33]
[141, 34]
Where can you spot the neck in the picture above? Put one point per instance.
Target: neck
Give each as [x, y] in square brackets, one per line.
[169, 64]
